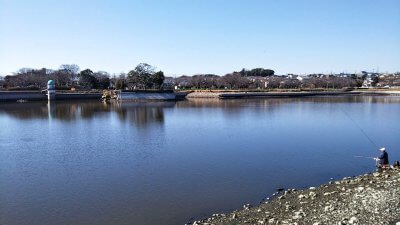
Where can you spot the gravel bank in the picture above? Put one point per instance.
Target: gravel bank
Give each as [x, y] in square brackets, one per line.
[287, 94]
[367, 199]
[206, 94]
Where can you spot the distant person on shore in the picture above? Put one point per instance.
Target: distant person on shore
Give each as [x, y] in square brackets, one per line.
[383, 159]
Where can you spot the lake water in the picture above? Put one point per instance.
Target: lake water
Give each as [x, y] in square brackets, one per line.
[166, 163]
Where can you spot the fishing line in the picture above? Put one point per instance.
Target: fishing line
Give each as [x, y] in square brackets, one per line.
[360, 128]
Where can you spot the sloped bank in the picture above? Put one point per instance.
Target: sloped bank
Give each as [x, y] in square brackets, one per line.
[284, 94]
[12, 96]
[369, 199]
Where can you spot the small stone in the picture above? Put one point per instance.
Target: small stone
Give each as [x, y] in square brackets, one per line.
[234, 216]
[360, 189]
[312, 188]
[247, 206]
[298, 215]
[302, 196]
[353, 220]
[288, 207]
[364, 202]
[329, 208]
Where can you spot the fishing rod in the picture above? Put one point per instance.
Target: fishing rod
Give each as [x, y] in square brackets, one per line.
[365, 157]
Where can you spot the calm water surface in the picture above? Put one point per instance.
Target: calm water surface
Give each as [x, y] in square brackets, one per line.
[164, 163]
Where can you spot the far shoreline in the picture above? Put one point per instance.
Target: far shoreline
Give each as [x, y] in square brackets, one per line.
[29, 95]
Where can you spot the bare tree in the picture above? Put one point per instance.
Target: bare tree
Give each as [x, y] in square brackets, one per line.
[24, 70]
[70, 68]
[2, 82]
[235, 81]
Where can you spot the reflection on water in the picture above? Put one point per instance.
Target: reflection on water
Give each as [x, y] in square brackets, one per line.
[88, 162]
[139, 113]
[142, 113]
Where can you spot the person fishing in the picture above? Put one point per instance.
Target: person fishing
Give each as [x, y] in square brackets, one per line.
[382, 162]
[383, 159]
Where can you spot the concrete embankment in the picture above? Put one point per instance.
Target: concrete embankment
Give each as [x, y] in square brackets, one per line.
[385, 93]
[22, 95]
[134, 96]
[12, 96]
[369, 199]
[76, 96]
[146, 95]
[40, 96]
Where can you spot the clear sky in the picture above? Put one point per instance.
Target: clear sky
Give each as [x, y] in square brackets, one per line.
[201, 36]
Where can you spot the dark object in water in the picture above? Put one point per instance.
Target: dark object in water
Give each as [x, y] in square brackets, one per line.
[396, 164]
[280, 189]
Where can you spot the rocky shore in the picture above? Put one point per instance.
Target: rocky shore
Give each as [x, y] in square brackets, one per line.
[367, 199]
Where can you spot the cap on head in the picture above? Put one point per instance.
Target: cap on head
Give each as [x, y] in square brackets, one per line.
[382, 149]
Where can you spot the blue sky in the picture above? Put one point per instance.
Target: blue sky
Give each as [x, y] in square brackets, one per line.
[201, 36]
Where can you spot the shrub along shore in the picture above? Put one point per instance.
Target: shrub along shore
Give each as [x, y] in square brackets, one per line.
[368, 199]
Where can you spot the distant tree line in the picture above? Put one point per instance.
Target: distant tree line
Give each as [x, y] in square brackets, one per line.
[70, 76]
[29, 78]
[145, 76]
[236, 81]
[257, 72]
